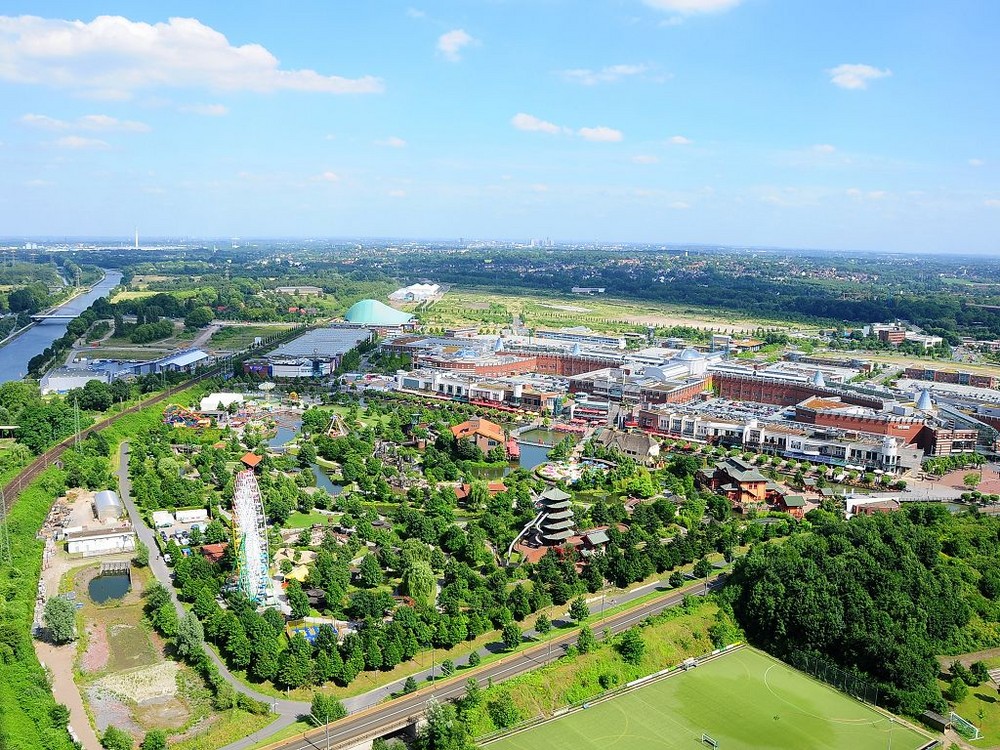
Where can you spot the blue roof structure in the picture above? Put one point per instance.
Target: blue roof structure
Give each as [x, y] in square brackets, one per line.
[373, 312]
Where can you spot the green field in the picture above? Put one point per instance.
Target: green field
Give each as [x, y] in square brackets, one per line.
[745, 700]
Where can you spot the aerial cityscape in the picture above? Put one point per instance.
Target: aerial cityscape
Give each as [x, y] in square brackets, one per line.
[499, 375]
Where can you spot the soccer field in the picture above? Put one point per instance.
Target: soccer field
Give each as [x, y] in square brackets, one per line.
[745, 700]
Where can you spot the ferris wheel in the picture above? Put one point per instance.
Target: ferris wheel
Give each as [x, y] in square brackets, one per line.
[253, 558]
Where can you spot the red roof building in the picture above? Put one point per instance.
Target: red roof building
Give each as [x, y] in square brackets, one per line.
[484, 433]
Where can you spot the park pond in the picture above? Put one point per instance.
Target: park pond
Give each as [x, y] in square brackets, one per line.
[102, 589]
[535, 446]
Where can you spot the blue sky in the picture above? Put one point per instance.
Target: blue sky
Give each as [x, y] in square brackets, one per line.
[854, 125]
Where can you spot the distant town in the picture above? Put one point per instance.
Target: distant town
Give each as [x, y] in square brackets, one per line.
[285, 495]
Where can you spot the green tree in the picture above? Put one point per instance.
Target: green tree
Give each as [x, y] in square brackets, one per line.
[418, 580]
[141, 558]
[370, 572]
[475, 659]
[543, 624]
[447, 667]
[702, 568]
[199, 317]
[632, 646]
[971, 480]
[155, 739]
[444, 730]
[585, 642]
[511, 636]
[410, 685]
[326, 708]
[957, 690]
[190, 636]
[578, 609]
[503, 711]
[117, 739]
[59, 617]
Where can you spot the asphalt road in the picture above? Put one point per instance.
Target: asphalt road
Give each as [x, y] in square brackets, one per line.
[363, 723]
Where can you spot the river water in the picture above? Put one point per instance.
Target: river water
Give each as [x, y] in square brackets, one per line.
[16, 353]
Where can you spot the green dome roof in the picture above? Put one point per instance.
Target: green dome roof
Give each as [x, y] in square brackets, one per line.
[373, 312]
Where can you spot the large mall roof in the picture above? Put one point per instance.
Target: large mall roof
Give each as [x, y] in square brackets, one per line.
[373, 312]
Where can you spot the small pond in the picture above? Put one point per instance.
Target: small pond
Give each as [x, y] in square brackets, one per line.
[323, 481]
[536, 444]
[105, 588]
[283, 435]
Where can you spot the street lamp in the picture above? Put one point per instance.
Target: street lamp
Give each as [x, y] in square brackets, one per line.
[326, 726]
[892, 721]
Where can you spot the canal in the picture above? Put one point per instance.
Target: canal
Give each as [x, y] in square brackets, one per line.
[16, 353]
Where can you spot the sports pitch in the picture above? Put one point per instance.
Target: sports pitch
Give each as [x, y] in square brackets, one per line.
[745, 700]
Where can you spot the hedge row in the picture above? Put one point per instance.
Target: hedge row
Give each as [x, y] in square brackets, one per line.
[26, 701]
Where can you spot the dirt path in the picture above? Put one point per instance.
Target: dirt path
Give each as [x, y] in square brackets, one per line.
[59, 660]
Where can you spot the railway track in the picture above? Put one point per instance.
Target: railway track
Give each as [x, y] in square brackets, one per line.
[13, 489]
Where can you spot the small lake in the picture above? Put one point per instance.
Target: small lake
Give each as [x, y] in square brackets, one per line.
[283, 435]
[323, 481]
[536, 444]
[491, 472]
[104, 588]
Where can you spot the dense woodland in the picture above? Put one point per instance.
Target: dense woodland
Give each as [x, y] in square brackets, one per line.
[879, 596]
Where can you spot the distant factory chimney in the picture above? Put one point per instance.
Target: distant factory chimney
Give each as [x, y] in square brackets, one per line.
[137, 238]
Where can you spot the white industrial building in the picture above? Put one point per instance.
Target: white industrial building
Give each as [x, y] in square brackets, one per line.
[64, 379]
[108, 506]
[192, 516]
[163, 519]
[87, 542]
[416, 293]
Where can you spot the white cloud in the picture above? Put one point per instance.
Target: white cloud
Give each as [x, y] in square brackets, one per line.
[328, 176]
[451, 43]
[330, 137]
[391, 142]
[112, 57]
[856, 76]
[976, 162]
[645, 159]
[533, 124]
[601, 134]
[824, 148]
[680, 205]
[44, 122]
[690, 7]
[992, 202]
[104, 123]
[397, 193]
[415, 13]
[680, 140]
[610, 74]
[871, 195]
[208, 110]
[79, 142]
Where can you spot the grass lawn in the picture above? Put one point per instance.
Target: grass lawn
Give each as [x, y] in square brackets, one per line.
[744, 700]
[227, 727]
[300, 520]
[238, 338]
